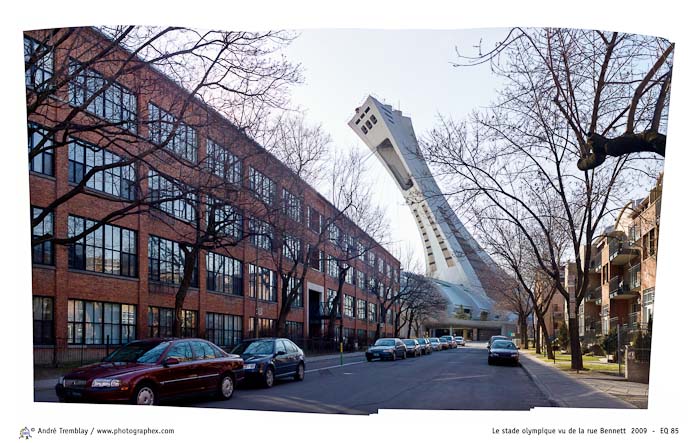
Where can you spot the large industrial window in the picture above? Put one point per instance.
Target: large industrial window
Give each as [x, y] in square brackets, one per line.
[118, 181]
[108, 249]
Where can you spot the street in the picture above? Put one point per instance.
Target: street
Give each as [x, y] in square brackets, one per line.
[453, 379]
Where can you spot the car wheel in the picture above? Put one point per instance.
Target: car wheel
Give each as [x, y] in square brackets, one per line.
[369, 358]
[299, 376]
[393, 356]
[269, 377]
[404, 355]
[490, 361]
[226, 387]
[145, 395]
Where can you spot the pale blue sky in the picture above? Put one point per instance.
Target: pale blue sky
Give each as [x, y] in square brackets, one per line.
[410, 70]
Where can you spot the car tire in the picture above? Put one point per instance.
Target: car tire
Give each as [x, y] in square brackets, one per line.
[269, 377]
[404, 355]
[393, 356]
[490, 361]
[145, 394]
[301, 370]
[369, 358]
[227, 385]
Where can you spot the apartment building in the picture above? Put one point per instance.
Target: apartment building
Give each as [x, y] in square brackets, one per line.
[94, 111]
[623, 272]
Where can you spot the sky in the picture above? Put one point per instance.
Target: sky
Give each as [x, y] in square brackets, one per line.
[409, 69]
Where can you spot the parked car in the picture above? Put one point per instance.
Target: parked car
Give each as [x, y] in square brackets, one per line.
[267, 359]
[503, 351]
[144, 372]
[451, 341]
[494, 338]
[435, 344]
[412, 347]
[460, 341]
[387, 349]
[444, 343]
[425, 347]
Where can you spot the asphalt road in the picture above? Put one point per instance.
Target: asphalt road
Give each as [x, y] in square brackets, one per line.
[454, 379]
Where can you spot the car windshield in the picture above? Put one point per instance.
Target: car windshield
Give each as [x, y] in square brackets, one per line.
[409, 342]
[503, 344]
[443, 339]
[138, 352]
[384, 343]
[434, 340]
[254, 348]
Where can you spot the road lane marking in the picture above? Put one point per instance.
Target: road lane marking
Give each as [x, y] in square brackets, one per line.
[336, 366]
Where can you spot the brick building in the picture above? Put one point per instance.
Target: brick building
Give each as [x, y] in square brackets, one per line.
[98, 107]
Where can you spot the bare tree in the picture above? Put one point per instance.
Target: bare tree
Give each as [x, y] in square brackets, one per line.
[518, 157]
[612, 89]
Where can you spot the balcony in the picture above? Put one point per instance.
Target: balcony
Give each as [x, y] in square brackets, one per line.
[635, 277]
[620, 289]
[621, 251]
[595, 263]
[593, 295]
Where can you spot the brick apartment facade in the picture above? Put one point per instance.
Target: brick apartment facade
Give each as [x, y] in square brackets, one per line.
[118, 283]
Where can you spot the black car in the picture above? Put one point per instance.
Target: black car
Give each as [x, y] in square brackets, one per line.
[494, 338]
[412, 347]
[267, 359]
[503, 351]
[386, 349]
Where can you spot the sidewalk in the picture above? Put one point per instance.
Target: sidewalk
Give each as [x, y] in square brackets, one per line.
[562, 389]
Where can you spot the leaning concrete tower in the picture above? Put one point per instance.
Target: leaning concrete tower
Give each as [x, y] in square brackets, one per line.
[451, 254]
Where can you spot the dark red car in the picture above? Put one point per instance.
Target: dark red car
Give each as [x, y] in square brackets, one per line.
[145, 372]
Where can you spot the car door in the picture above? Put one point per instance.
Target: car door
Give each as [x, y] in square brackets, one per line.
[179, 379]
[294, 355]
[281, 358]
[400, 348]
[207, 366]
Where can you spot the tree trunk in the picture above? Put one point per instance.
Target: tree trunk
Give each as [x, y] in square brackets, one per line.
[330, 334]
[538, 345]
[190, 260]
[523, 331]
[575, 344]
[547, 341]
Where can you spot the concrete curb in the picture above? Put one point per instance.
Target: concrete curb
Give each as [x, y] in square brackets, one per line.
[542, 387]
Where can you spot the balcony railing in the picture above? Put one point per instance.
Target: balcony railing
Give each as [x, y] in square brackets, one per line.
[593, 294]
[595, 263]
[620, 288]
[621, 251]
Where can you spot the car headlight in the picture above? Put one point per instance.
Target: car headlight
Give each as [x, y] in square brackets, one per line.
[106, 383]
[249, 366]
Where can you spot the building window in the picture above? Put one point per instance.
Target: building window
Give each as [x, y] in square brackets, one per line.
[361, 280]
[370, 259]
[189, 323]
[350, 276]
[224, 330]
[291, 247]
[333, 268]
[294, 330]
[263, 283]
[108, 249]
[316, 259]
[43, 320]
[224, 274]
[349, 306]
[182, 142]
[166, 262]
[114, 103]
[160, 321]
[228, 220]
[223, 163]
[172, 197]
[96, 323]
[260, 234]
[266, 326]
[38, 64]
[262, 186]
[652, 243]
[361, 309]
[118, 181]
[372, 312]
[42, 253]
[380, 264]
[291, 205]
[313, 220]
[298, 301]
[334, 234]
[40, 147]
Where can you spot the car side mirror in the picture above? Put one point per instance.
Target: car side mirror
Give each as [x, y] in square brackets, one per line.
[170, 361]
